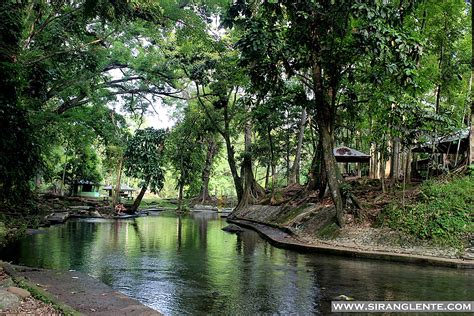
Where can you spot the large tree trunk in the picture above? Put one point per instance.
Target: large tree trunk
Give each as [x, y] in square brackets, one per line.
[322, 182]
[295, 170]
[225, 133]
[233, 167]
[231, 155]
[287, 158]
[267, 175]
[251, 189]
[116, 195]
[331, 170]
[206, 172]
[314, 176]
[324, 118]
[272, 162]
[139, 198]
[180, 195]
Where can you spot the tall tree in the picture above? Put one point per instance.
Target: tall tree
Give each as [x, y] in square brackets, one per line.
[320, 43]
[144, 160]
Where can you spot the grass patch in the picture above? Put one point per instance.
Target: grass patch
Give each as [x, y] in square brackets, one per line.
[13, 228]
[330, 231]
[45, 297]
[442, 213]
[156, 202]
[290, 213]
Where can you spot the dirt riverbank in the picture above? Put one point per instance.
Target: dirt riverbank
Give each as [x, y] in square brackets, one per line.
[310, 227]
[71, 292]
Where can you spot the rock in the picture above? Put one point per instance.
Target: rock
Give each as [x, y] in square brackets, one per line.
[469, 256]
[7, 282]
[232, 229]
[343, 297]
[58, 217]
[227, 210]
[95, 214]
[81, 207]
[8, 300]
[22, 293]
[201, 207]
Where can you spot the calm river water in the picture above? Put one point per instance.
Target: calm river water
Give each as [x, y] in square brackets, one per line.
[188, 265]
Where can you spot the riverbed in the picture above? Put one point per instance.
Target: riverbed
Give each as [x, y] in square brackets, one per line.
[188, 265]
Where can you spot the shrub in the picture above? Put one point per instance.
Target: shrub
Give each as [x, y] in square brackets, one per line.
[443, 212]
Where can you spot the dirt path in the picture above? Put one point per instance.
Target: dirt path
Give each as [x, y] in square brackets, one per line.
[84, 293]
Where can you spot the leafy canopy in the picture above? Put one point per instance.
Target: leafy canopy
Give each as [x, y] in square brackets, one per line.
[143, 157]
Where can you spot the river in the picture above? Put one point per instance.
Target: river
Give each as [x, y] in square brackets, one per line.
[188, 265]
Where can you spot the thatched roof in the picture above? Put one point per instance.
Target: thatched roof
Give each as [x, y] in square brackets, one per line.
[346, 154]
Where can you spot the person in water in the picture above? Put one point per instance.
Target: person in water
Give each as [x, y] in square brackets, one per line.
[120, 209]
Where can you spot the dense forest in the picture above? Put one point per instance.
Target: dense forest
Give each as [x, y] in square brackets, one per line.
[262, 92]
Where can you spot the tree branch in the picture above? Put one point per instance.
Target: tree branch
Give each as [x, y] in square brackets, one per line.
[206, 110]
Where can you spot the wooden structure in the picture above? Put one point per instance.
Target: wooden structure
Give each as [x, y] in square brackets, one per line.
[85, 188]
[348, 155]
[450, 151]
[455, 143]
[125, 191]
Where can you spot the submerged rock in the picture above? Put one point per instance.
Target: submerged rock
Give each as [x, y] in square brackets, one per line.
[232, 229]
[343, 297]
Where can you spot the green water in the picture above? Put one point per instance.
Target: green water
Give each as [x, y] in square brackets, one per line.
[188, 265]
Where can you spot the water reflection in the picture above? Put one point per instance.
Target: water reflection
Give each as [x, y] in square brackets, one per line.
[187, 264]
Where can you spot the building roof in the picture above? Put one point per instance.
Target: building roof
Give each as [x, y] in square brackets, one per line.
[123, 187]
[447, 144]
[81, 181]
[346, 154]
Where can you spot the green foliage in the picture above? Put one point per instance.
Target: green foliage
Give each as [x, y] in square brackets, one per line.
[19, 154]
[471, 169]
[3, 233]
[64, 65]
[144, 157]
[443, 213]
[185, 150]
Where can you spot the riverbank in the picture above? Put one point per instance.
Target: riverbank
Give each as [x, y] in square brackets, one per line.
[71, 293]
[282, 239]
[429, 222]
[45, 210]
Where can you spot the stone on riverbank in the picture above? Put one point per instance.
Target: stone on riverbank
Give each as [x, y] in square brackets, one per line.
[201, 207]
[232, 229]
[8, 300]
[57, 217]
[21, 293]
[7, 282]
